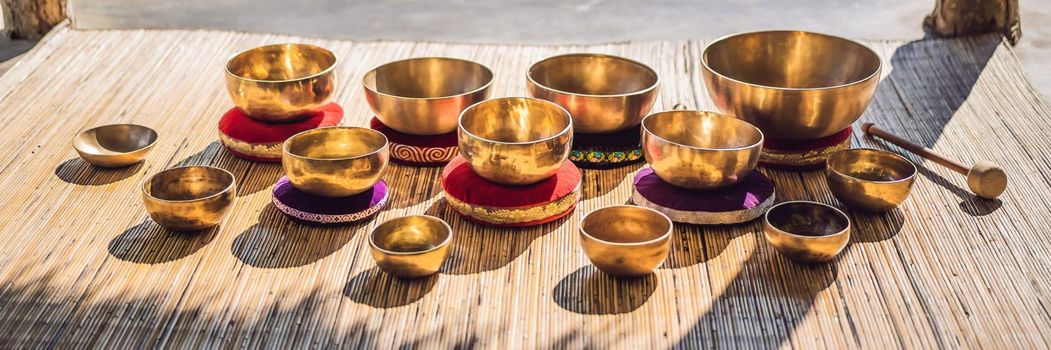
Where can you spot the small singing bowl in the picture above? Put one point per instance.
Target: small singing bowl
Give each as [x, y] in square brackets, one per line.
[281, 83]
[424, 96]
[411, 246]
[335, 161]
[603, 93]
[189, 198]
[868, 179]
[626, 240]
[515, 140]
[700, 150]
[115, 145]
[806, 231]
[793, 85]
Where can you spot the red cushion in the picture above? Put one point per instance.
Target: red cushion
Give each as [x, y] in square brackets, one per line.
[462, 183]
[803, 155]
[260, 141]
[418, 150]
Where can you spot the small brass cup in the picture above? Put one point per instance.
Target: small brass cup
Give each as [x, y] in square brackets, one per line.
[115, 145]
[868, 179]
[806, 231]
[281, 83]
[411, 246]
[604, 93]
[700, 150]
[189, 198]
[626, 240]
[515, 140]
[335, 161]
[424, 96]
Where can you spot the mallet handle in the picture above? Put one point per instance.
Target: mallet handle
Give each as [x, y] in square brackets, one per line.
[924, 152]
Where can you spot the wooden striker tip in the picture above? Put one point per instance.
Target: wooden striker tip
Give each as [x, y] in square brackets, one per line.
[987, 180]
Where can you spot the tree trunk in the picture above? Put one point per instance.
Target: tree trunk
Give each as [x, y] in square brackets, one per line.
[31, 19]
[968, 17]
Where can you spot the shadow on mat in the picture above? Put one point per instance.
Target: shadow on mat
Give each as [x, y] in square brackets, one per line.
[378, 289]
[79, 172]
[589, 291]
[277, 241]
[149, 243]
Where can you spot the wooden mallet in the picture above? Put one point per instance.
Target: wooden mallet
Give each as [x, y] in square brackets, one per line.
[985, 179]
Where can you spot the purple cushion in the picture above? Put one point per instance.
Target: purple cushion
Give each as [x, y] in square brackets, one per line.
[304, 206]
[744, 201]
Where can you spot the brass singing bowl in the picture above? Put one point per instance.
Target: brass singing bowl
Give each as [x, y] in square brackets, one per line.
[115, 145]
[515, 140]
[411, 246]
[281, 83]
[335, 161]
[868, 179]
[189, 198]
[424, 96]
[793, 85]
[806, 231]
[700, 150]
[626, 240]
[603, 93]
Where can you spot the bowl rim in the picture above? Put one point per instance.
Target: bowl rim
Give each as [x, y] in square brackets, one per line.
[285, 145]
[912, 174]
[876, 73]
[233, 182]
[327, 70]
[443, 243]
[845, 230]
[664, 236]
[568, 129]
[762, 136]
[372, 72]
[655, 85]
[153, 140]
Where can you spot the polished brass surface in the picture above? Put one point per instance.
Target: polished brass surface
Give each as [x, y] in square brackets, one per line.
[806, 231]
[424, 96]
[603, 93]
[700, 150]
[515, 140]
[115, 145]
[626, 240]
[335, 161]
[411, 246]
[869, 179]
[280, 83]
[793, 85]
[189, 198]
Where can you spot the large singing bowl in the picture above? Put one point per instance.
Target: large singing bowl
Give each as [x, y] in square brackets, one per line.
[281, 83]
[424, 96]
[792, 85]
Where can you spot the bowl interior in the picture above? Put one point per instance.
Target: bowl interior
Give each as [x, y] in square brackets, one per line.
[515, 120]
[703, 130]
[411, 234]
[335, 143]
[793, 60]
[281, 62]
[115, 139]
[430, 77]
[807, 219]
[588, 74]
[625, 224]
[188, 183]
[871, 165]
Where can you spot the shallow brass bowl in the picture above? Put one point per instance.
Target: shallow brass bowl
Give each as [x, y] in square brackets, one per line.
[515, 140]
[700, 150]
[189, 198]
[115, 145]
[869, 179]
[411, 246]
[603, 93]
[793, 85]
[626, 240]
[806, 231]
[335, 161]
[424, 96]
[281, 83]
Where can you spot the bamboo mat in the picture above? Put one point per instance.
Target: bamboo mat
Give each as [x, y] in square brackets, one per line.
[82, 265]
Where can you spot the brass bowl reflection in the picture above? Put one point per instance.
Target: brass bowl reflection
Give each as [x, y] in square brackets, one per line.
[115, 145]
[806, 231]
[335, 161]
[793, 85]
[515, 140]
[424, 96]
[281, 83]
[189, 198]
[869, 179]
[603, 93]
[411, 246]
[700, 150]
[626, 240]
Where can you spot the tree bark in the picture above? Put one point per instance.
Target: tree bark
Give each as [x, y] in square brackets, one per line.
[969, 17]
[31, 19]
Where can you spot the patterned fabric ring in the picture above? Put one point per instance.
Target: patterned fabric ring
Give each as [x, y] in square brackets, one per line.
[330, 218]
[422, 154]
